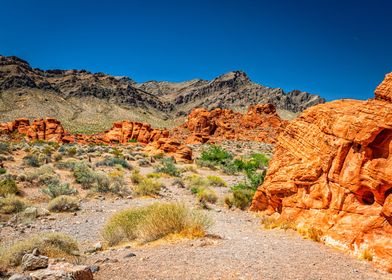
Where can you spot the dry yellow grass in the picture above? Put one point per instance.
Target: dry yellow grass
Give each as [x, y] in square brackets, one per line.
[155, 222]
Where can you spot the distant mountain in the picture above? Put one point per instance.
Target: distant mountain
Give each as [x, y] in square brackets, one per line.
[89, 102]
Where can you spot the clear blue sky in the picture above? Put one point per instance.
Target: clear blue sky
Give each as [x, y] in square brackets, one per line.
[335, 48]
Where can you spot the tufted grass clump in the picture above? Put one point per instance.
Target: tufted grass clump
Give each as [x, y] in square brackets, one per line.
[270, 222]
[206, 195]
[240, 198]
[216, 181]
[147, 186]
[366, 254]
[8, 186]
[155, 222]
[11, 204]
[64, 203]
[53, 245]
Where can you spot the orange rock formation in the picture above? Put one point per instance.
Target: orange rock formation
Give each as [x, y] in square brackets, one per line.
[332, 170]
[260, 123]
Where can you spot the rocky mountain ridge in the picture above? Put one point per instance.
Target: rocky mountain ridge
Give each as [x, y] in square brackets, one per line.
[79, 97]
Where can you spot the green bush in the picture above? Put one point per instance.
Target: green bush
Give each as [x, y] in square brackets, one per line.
[216, 155]
[205, 195]
[11, 204]
[63, 203]
[167, 166]
[102, 182]
[8, 186]
[56, 188]
[242, 198]
[84, 175]
[154, 222]
[4, 148]
[2, 171]
[53, 245]
[113, 161]
[32, 160]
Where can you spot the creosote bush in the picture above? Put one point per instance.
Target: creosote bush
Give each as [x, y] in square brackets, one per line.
[53, 245]
[154, 222]
[8, 186]
[63, 203]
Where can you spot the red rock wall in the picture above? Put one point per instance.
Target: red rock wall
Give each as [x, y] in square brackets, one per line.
[332, 170]
[260, 123]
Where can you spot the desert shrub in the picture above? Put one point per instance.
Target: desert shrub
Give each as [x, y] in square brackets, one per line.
[4, 148]
[189, 168]
[195, 181]
[311, 233]
[143, 162]
[2, 171]
[154, 222]
[216, 181]
[32, 160]
[54, 245]
[113, 161]
[117, 182]
[84, 175]
[66, 164]
[167, 166]
[205, 195]
[147, 186]
[44, 174]
[136, 177]
[11, 204]
[229, 200]
[8, 186]
[242, 198]
[102, 182]
[123, 225]
[56, 188]
[216, 155]
[63, 203]
[154, 175]
[57, 156]
[132, 141]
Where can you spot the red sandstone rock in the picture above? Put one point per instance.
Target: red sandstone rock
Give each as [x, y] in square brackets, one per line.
[170, 147]
[332, 170]
[260, 123]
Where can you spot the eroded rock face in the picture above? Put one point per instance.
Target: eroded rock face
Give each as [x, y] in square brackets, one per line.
[260, 123]
[332, 170]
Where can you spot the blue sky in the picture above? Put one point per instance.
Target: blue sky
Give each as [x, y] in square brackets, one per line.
[338, 49]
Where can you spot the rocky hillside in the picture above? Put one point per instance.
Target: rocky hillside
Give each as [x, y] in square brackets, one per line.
[90, 102]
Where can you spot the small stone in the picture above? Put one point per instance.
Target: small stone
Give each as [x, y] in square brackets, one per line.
[94, 268]
[130, 255]
[20, 277]
[32, 262]
[36, 252]
[98, 246]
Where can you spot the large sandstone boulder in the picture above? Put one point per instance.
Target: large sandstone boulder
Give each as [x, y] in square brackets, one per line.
[332, 170]
[170, 147]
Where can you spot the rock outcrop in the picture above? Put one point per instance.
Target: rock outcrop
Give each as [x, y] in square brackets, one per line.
[332, 171]
[261, 123]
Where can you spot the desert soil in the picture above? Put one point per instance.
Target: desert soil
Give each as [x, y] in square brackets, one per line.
[236, 247]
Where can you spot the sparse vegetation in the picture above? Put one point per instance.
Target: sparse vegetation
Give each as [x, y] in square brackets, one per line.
[56, 188]
[113, 161]
[216, 181]
[167, 166]
[147, 186]
[366, 254]
[11, 204]
[32, 160]
[63, 203]
[154, 222]
[55, 245]
[8, 186]
[214, 155]
[84, 175]
[205, 195]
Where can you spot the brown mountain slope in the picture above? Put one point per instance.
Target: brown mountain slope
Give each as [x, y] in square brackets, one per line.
[90, 102]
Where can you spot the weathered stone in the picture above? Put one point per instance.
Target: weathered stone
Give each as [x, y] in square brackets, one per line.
[33, 262]
[332, 170]
[63, 271]
[20, 277]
